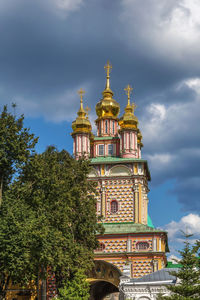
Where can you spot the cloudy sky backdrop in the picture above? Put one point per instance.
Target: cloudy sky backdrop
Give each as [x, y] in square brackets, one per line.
[51, 48]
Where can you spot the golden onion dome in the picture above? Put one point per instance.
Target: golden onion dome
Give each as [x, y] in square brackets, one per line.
[107, 107]
[128, 120]
[139, 138]
[82, 123]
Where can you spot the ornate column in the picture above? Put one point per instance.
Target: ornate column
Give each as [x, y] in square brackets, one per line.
[136, 203]
[103, 201]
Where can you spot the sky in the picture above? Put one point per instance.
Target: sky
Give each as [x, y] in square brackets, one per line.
[52, 48]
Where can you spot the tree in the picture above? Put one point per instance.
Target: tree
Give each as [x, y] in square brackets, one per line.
[76, 289]
[188, 275]
[17, 223]
[16, 145]
[57, 224]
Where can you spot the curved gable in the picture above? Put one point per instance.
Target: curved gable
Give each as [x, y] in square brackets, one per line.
[119, 171]
[93, 173]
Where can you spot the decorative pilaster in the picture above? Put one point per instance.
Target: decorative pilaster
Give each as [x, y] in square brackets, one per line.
[103, 201]
[136, 203]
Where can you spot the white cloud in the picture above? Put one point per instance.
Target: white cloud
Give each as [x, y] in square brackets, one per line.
[68, 5]
[173, 259]
[194, 83]
[163, 125]
[167, 27]
[160, 161]
[190, 224]
[158, 112]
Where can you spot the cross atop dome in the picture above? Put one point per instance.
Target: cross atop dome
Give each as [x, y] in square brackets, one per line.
[87, 109]
[81, 92]
[108, 69]
[128, 91]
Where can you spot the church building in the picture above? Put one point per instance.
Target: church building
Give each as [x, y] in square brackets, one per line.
[130, 241]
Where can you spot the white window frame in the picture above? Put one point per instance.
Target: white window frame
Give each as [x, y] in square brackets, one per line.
[111, 154]
[103, 147]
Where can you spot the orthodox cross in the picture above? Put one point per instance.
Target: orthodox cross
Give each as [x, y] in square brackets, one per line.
[81, 92]
[87, 110]
[128, 91]
[133, 106]
[107, 68]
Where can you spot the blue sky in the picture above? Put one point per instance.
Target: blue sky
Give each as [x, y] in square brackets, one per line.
[52, 48]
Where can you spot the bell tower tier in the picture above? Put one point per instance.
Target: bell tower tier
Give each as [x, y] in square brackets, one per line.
[81, 132]
[129, 141]
[130, 241]
[107, 110]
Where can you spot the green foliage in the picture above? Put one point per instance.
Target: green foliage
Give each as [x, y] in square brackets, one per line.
[48, 219]
[15, 228]
[189, 275]
[78, 288]
[16, 145]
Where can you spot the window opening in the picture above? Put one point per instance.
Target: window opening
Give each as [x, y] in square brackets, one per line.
[114, 207]
[101, 150]
[106, 126]
[113, 127]
[142, 246]
[110, 149]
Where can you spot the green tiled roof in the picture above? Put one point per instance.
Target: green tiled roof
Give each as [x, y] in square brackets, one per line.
[120, 228]
[100, 138]
[149, 222]
[114, 159]
[171, 265]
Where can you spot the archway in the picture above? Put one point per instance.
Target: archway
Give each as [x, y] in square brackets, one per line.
[104, 280]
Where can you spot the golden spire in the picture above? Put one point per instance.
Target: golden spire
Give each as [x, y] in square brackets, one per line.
[87, 111]
[134, 106]
[81, 92]
[128, 91]
[129, 120]
[108, 69]
[81, 124]
[107, 107]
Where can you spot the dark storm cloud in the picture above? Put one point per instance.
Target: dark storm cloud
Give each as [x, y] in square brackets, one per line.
[51, 48]
[44, 53]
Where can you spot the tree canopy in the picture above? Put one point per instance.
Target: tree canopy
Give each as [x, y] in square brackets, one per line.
[48, 219]
[16, 145]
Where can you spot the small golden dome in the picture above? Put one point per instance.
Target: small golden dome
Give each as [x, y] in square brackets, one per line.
[82, 123]
[107, 107]
[128, 120]
[139, 138]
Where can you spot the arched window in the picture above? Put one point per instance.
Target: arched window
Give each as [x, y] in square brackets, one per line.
[101, 247]
[114, 207]
[106, 126]
[113, 127]
[142, 246]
